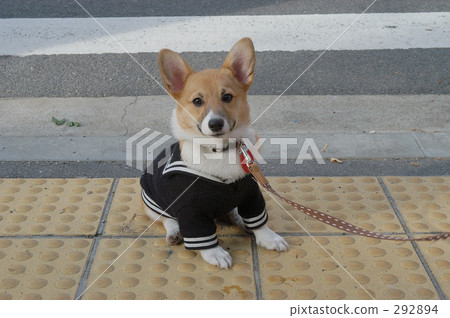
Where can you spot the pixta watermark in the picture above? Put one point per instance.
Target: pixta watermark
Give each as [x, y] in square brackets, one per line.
[143, 148]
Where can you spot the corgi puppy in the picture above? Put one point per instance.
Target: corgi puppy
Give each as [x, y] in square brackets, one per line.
[203, 179]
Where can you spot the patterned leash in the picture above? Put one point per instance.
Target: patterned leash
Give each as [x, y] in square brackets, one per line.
[250, 166]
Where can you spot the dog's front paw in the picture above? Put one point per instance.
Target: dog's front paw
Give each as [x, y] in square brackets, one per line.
[267, 238]
[217, 256]
[174, 238]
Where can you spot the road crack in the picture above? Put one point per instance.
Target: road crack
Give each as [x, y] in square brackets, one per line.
[125, 113]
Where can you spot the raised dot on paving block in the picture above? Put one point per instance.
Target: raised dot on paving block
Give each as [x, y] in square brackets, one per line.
[354, 265]
[336, 294]
[133, 268]
[277, 294]
[36, 283]
[155, 295]
[416, 278]
[388, 279]
[22, 256]
[161, 254]
[104, 268]
[75, 256]
[157, 281]
[411, 265]
[61, 296]
[30, 243]
[129, 282]
[103, 282]
[307, 294]
[242, 280]
[185, 281]
[125, 296]
[401, 251]
[302, 279]
[70, 269]
[273, 266]
[65, 283]
[186, 267]
[185, 295]
[54, 243]
[394, 293]
[134, 255]
[43, 269]
[214, 280]
[96, 296]
[9, 283]
[159, 268]
[382, 265]
[300, 266]
[15, 269]
[362, 279]
[424, 293]
[327, 265]
[215, 295]
[275, 279]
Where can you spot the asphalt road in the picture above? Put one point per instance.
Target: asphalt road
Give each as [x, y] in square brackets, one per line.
[371, 72]
[139, 8]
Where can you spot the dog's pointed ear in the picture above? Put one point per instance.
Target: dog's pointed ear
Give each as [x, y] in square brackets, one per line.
[241, 61]
[174, 71]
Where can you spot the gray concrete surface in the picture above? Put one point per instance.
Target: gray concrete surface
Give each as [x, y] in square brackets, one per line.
[340, 146]
[289, 115]
[121, 8]
[352, 127]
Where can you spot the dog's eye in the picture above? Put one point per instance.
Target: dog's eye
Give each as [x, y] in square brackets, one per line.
[226, 98]
[197, 102]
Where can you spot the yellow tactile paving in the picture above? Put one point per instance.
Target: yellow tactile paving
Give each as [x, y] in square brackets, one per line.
[437, 257]
[150, 269]
[358, 200]
[51, 206]
[387, 270]
[424, 202]
[41, 268]
[128, 218]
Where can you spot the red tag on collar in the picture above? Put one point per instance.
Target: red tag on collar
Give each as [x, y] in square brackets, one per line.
[244, 162]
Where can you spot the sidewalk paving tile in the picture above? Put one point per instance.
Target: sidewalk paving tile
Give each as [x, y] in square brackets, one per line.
[373, 268]
[41, 268]
[437, 257]
[149, 269]
[424, 202]
[358, 200]
[52, 206]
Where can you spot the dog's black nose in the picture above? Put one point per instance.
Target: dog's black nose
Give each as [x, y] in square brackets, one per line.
[216, 124]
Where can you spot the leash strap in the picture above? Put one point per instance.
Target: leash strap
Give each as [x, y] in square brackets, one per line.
[253, 168]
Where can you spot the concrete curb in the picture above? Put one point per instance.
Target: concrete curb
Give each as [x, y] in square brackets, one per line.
[341, 146]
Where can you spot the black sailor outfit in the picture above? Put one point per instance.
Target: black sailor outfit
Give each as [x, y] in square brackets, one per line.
[171, 191]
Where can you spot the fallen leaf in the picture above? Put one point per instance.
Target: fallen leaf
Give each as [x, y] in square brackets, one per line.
[335, 160]
[58, 122]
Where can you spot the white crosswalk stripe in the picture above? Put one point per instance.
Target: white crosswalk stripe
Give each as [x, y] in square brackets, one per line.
[373, 31]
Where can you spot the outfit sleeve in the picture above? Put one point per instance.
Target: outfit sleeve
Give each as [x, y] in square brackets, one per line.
[198, 230]
[253, 208]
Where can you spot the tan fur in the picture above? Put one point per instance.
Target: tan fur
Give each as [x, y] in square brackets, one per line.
[210, 85]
